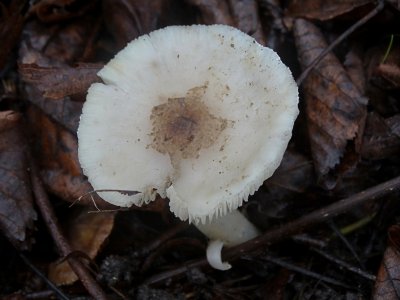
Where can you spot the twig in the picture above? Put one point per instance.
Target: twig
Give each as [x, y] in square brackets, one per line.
[309, 241]
[168, 246]
[54, 289]
[344, 264]
[291, 228]
[177, 271]
[163, 238]
[47, 294]
[318, 216]
[347, 244]
[344, 35]
[305, 272]
[63, 246]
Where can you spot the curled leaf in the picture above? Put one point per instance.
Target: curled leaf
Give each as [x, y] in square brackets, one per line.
[335, 108]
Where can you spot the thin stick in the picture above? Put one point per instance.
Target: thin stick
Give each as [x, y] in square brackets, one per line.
[305, 272]
[163, 238]
[63, 246]
[318, 216]
[54, 289]
[344, 264]
[347, 244]
[122, 192]
[291, 228]
[336, 42]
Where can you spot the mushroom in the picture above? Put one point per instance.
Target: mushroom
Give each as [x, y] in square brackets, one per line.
[199, 114]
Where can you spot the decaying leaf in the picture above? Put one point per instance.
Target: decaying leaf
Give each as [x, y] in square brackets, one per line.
[335, 108]
[74, 189]
[390, 73]
[247, 18]
[383, 64]
[86, 233]
[294, 174]
[54, 146]
[59, 82]
[11, 21]
[354, 67]
[323, 10]
[39, 48]
[53, 46]
[56, 10]
[242, 14]
[56, 152]
[274, 201]
[387, 285]
[213, 11]
[17, 214]
[127, 20]
[381, 137]
[65, 111]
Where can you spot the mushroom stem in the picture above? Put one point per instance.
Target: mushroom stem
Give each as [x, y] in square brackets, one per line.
[229, 230]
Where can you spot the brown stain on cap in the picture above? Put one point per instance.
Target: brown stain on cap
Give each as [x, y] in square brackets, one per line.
[184, 126]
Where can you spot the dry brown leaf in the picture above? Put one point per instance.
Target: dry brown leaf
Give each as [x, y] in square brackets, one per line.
[355, 69]
[394, 124]
[381, 137]
[11, 21]
[335, 108]
[275, 200]
[213, 11]
[390, 73]
[247, 18]
[321, 9]
[55, 46]
[86, 233]
[383, 65]
[55, 150]
[71, 188]
[65, 111]
[294, 174]
[46, 49]
[59, 82]
[394, 237]
[243, 14]
[55, 147]
[123, 21]
[127, 20]
[60, 10]
[17, 214]
[387, 285]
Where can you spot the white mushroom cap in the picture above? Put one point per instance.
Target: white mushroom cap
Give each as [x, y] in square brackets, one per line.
[201, 114]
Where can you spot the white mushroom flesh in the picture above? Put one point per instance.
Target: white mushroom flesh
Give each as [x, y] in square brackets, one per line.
[231, 229]
[201, 114]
